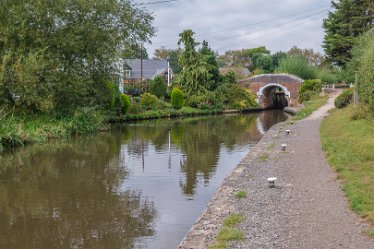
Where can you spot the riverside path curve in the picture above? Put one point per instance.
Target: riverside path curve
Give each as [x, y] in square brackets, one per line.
[306, 208]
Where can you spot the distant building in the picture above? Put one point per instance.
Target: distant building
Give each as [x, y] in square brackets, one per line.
[135, 69]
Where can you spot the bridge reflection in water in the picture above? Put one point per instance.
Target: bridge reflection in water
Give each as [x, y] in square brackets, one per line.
[142, 185]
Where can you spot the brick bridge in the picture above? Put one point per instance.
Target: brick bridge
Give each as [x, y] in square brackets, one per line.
[274, 90]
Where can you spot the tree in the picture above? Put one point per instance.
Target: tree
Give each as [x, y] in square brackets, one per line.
[194, 76]
[234, 58]
[210, 58]
[134, 51]
[172, 54]
[313, 58]
[59, 55]
[158, 87]
[350, 19]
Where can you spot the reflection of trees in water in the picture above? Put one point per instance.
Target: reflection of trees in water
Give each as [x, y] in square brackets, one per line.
[67, 196]
[199, 139]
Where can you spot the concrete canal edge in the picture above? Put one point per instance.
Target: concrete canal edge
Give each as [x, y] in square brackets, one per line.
[204, 231]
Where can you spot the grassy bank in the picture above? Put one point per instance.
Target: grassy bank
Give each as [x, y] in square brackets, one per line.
[310, 106]
[349, 145]
[17, 130]
[169, 112]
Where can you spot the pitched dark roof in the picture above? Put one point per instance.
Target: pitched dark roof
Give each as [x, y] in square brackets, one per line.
[275, 78]
[151, 68]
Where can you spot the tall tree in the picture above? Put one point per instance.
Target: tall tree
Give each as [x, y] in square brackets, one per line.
[210, 58]
[59, 55]
[313, 58]
[194, 76]
[349, 19]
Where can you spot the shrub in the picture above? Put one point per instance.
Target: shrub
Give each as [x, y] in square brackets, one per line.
[158, 87]
[235, 96]
[344, 99]
[308, 89]
[85, 120]
[124, 103]
[297, 66]
[177, 98]
[198, 101]
[135, 106]
[365, 74]
[113, 94]
[149, 101]
[326, 76]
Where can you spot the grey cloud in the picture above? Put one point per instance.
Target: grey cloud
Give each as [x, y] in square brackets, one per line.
[207, 16]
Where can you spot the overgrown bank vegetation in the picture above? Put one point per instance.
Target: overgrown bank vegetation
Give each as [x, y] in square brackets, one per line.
[349, 145]
[348, 133]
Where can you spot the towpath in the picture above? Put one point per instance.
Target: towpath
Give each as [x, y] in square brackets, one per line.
[306, 209]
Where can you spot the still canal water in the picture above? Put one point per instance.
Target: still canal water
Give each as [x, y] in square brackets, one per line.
[142, 185]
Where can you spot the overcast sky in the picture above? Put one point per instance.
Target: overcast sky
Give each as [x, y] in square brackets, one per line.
[238, 24]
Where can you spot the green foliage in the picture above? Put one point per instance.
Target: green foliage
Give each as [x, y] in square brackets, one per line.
[313, 58]
[308, 89]
[349, 150]
[233, 220]
[229, 232]
[194, 76]
[297, 66]
[349, 20]
[113, 94]
[241, 194]
[363, 54]
[125, 103]
[158, 87]
[229, 77]
[149, 101]
[135, 106]
[20, 130]
[310, 106]
[86, 120]
[233, 96]
[198, 101]
[326, 76]
[344, 99]
[177, 98]
[58, 55]
[210, 57]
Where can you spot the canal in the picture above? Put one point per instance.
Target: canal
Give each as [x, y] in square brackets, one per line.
[141, 185]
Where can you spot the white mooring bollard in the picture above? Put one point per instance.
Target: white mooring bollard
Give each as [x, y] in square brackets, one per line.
[288, 132]
[284, 146]
[271, 181]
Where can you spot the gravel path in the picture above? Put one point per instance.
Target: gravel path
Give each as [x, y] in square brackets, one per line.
[306, 209]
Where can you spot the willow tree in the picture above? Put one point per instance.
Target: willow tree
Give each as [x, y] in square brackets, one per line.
[58, 55]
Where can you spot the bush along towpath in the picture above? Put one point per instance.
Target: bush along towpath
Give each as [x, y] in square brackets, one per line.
[305, 209]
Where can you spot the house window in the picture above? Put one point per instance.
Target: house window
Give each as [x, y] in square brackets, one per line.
[127, 73]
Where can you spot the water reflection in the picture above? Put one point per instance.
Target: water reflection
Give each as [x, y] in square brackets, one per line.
[102, 191]
[67, 196]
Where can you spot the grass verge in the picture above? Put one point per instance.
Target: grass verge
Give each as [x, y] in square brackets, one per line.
[241, 194]
[21, 130]
[310, 106]
[349, 146]
[229, 232]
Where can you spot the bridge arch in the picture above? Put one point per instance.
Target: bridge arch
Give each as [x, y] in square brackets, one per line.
[274, 90]
[261, 90]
